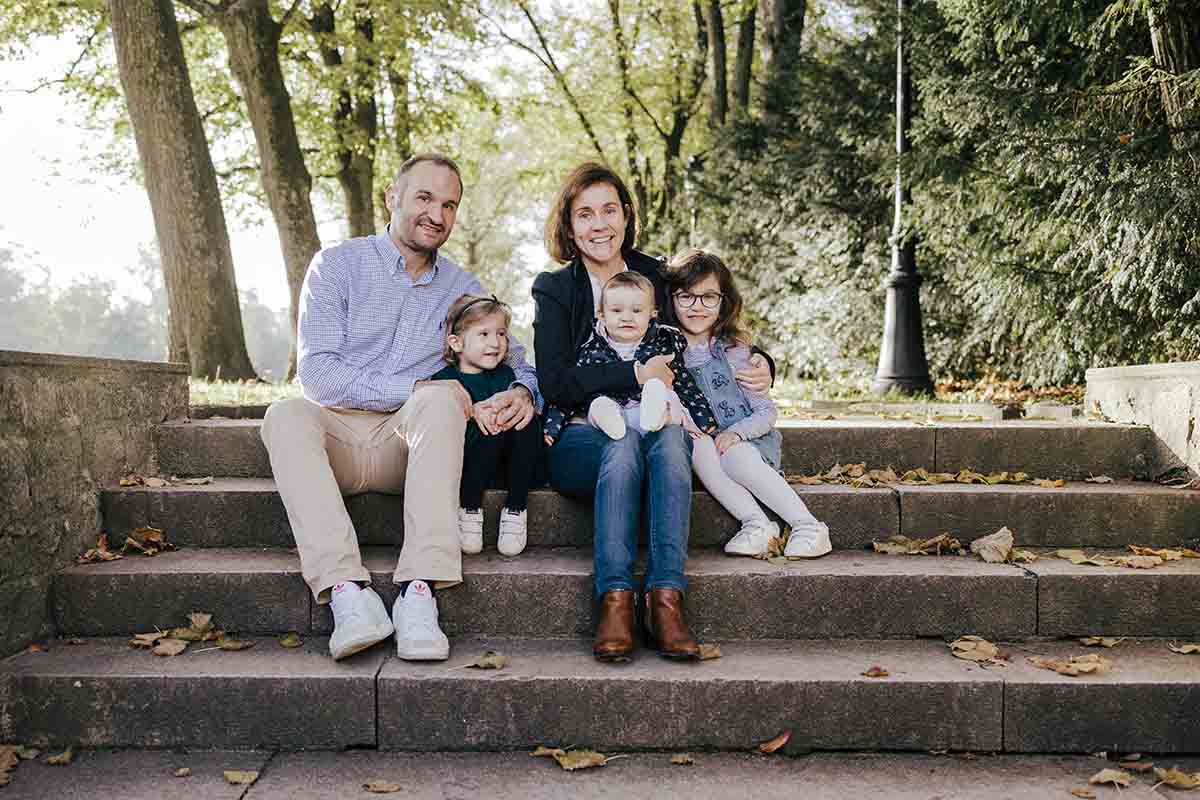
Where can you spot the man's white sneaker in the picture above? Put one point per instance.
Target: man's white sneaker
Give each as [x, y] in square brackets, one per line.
[470, 530]
[418, 635]
[754, 539]
[808, 540]
[362, 622]
[605, 414]
[654, 405]
[513, 532]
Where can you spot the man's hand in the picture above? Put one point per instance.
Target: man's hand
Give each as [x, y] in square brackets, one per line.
[757, 377]
[460, 393]
[657, 367]
[512, 408]
[726, 440]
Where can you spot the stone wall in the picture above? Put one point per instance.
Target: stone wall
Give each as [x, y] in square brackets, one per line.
[1164, 396]
[67, 424]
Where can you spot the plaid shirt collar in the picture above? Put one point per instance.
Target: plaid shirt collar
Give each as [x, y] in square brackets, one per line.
[392, 256]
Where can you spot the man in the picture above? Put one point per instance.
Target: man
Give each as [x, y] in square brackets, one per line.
[371, 332]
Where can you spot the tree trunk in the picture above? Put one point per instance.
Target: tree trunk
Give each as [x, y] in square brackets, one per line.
[398, 67]
[252, 39]
[716, 46]
[782, 30]
[742, 67]
[632, 143]
[1175, 34]
[182, 185]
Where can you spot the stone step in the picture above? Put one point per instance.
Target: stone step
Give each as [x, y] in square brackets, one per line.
[243, 512]
[1073, 450]
[549, 593]
[101, 693]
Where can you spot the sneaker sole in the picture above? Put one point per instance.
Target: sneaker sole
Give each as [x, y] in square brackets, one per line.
[423, 655]
[363, 643]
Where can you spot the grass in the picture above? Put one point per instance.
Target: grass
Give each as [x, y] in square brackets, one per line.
[239, 393]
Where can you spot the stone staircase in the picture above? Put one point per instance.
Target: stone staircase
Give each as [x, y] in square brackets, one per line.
[796, 638]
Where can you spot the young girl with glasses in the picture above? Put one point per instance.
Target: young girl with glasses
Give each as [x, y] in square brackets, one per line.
[476, 344]
[741, 462]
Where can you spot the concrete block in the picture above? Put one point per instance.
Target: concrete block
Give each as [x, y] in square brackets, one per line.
[812, 446]
[231, 448]
[1046, 449]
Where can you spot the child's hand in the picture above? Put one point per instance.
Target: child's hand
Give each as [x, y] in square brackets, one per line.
[726, 440]
[658, 367]
[548, 440]
[485, 418]
[757, 376]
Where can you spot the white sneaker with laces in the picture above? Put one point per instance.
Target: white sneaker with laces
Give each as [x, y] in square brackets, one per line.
[357, 625]
[605, 414]
[513, 532]
[470, 530]
[655, 398]
[808, 540]
[754, 539]
[418, 635]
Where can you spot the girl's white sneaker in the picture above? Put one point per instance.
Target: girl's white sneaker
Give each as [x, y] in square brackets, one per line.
[513, 532]
[470, 530]
[754, 539]
[605, 414]
[808, 540]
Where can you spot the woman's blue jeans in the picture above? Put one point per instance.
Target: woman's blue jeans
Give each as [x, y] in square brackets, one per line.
[650, 471]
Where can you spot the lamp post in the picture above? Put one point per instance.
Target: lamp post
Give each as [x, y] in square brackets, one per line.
[902, 365]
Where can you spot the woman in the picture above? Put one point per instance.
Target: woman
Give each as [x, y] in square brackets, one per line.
[593, 227]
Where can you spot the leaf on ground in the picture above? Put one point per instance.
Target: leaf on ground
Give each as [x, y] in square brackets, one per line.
[778, 561]
[34, 647]
[169, 647]
[1113, 776]
[1177, 778]
[1136, 766]
[199, 629]
[146, 639]
[1006, 477]
[8, 762]
[900, 545]
[490, 660]
[290, 640]
[1188, 649]
[542, 750]
[155, 483]
[1090, 664]
[1100, 641]
[975, 648]
[876, 671]
[98, 553]
[1165, 553]
[227, 643]
[1081, 791]
[709, 651]
[771, 745]
[62, 759]
[1099, 479]
[994, 548]
[132, 479]
[683, 760]
[238, 777]
[147, 541]
[1047, 483]
[381, 787]
[26, 753]
[183, 772]
[1080, 557]
[1023, 557]
[572, 760]
[177, 481]
[1139, 562]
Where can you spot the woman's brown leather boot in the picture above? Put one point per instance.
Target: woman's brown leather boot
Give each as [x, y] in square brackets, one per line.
[614, 626]
[665, 629]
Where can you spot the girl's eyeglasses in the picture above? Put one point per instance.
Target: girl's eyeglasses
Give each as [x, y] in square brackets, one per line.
[708, 299]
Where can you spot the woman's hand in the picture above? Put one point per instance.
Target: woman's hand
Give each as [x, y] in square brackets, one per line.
[726, 440]
[756, 377]
[657, 367]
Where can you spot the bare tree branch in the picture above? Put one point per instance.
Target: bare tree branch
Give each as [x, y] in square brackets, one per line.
[87, 48]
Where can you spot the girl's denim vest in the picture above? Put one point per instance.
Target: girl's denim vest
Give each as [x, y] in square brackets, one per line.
[729, 404]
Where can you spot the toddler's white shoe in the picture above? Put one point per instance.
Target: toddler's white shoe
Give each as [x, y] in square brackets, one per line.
[418, 635]
[358, 622]
[470, 530]
[655, 399]
[605, 414]
[754, 539]
[513, 532]
[808, 540]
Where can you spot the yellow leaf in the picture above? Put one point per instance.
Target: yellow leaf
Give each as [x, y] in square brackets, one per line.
[779, 741]
[542, 750]
[975, 648]
[1166, 554]
[1139, 562]
[169, 647]
[1046, 483]
[1099, 479]
[1090, 664]
[489, 660]
[1100, 641]
[26, 753]
[132, 479]
[62, 759]
[995, 548]
[290, 640]
[225, 643]
[146, 639]
[876, 671]
[240, 777]
[580, 759]
[1137, 766]
[8, 762]
[682, 759]
[1177, 778]
[381, 787]
[207, 479]
[904, 546]
[709, 651]
[199, 621]
[1184, 649]
[183, 772]
[1084, 792]
[155, 483]
[1023, 557]
[1113, 776]
[98, 553]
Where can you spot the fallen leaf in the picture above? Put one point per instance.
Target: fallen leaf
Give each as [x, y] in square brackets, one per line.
[580, 759]
[1006, 477]
[1100, 641]
[1099, 479]
[147, 541]
[1184, 649]
[291, 640]
[778, 561]
[1136, 766]
[1023, 557]
[1140, 562]
[155, 483]
[169, 647]
[226, 643]
[542, 750]
[98, 553]
[1113, 776]
[1166, 554]
[381, 787]
[146, 639]
[489, 660]
[240, 777]
[774, 744]
[8, 762]
[876, 671]
[995, 548]
[207, 479]
[975, 648]
[682, 759]
[183, 772]
[132, 479]
[1090, 664]
[62, 759]
[904, 546]
[26, 753]
[709, 651]
[1177, 778]
[1046, 483]
[34, 647]
[1081, 791]
[199, 629]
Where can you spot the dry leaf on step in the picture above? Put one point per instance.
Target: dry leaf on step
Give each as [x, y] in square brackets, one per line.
[1090, 664]
[1023, 557]
[381, 787]
[26, 753]
[207, 479]
[1136, 766]
[489, 660]
[132, 479]
[1166, 554]
[774, 744]
[876, 671]
[98, 553]
[226, 643]
[1100, 641]
[1046, 483]
[995, 548]
[682, 759]
[709, 651]
[904, 546]
[290, 640]
[146, 639]
[240, 777]
[1080, 791]
[1099, 479]
[1113, 776]
[542, 750]
[62, 759]
[155, 483]
[975, 648]
[169, 647]
[183, 772]
[1177, 778]
[580, 759]
[8, 762]
[1184, 649]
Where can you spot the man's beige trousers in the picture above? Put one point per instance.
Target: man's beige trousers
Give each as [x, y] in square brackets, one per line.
[320, 454]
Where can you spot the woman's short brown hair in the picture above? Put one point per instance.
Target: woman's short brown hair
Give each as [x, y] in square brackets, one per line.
[465, 312]
[559, 243]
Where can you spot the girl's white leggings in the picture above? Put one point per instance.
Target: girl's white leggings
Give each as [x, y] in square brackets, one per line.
[741, 475]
